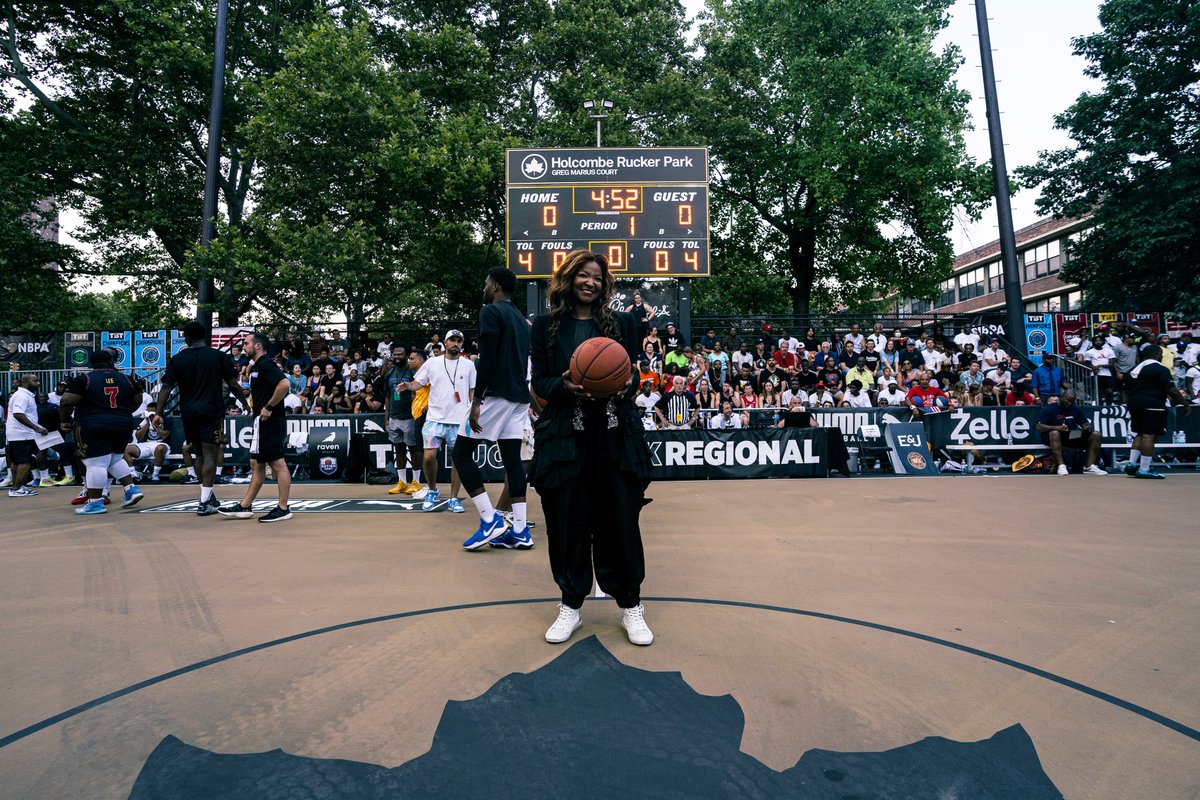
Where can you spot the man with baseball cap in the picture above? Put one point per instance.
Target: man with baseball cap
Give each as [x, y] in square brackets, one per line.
[451, 381]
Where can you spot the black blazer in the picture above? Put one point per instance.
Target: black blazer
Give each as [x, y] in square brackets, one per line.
[548, 367]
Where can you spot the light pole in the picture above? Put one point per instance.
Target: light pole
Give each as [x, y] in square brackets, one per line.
[205, 288]
[599, 109]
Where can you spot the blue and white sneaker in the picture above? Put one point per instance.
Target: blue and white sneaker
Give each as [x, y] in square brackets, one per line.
[133, 496]
[92, 507]
[430, 500]
[522, 539]
[504, 542]
[486, 532]
[455, 505]
[1145, 473]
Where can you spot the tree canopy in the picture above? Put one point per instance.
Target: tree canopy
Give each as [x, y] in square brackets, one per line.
[1135, 165]
[363, 141]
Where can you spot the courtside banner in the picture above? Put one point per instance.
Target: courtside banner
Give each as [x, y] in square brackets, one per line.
[753, 453]
[239, 432]
[1017, 425]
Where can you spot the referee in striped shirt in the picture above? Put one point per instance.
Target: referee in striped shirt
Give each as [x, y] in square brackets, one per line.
[677, 409]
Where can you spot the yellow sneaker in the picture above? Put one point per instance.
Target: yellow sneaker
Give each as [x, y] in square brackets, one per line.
[400, 488]
[413, 488]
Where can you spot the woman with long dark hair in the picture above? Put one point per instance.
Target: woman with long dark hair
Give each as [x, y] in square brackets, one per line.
[591, 465]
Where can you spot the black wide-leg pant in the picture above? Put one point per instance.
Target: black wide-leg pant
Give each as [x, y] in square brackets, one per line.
[592, 523]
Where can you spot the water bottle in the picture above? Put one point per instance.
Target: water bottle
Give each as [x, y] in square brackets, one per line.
[1178, 437]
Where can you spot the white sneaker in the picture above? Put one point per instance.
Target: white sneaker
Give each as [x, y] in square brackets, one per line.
[1094, 470]
[1062, 470]
[569, 620]
[420, 493]
[634, 622]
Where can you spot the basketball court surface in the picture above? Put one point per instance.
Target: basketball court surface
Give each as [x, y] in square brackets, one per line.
[965, 637]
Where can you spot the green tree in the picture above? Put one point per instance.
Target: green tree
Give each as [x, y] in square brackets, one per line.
[1135, 165]
[837, 125]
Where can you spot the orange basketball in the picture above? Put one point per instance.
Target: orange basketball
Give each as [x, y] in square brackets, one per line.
[601, 366]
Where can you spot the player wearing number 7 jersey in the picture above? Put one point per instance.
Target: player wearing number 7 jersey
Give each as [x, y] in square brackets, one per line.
[102, 403]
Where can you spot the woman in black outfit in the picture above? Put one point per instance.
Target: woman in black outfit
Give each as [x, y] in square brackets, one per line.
[591, 465]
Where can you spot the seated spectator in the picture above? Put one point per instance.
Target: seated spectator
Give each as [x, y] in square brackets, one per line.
[933, 356]
[726, 420]
[823, 353]
[769, 398]
[760, 352]
[384, 348]
[678, 357]
[296, 379]
[888, 356]
[434, 345]
[821, 396]
[871, 357]
[1018, 372]
[696, 370]
[673, 340]
[646, 374]
[973, 376]
[793, 390]
[728, 393]
[856, 396]
[967, 336]
[793, 344]
[925, 399]
[368, 402]
[907, 376]
[652, 359]
[744, 377]
[878, 337]
[811, 341]
[860, 373]
[646, 400]
[677, 409]
[987, 393]
[328, 381]
[806, 377]
[964, 358]
[773, 375]
[886, 375]
[338, 402]
[1062, 424]
[796, 416]
[749, 398]
[741, 357]
[855, 338]
[831, 377]
[1019, 396]
[946, 376]
[992, 355]
[911, 353]
[294, 402]
[1000, 377]
[785, 358]
[718, 364]
[891, 394]
[709, 340]
[705, 396]
[355, 387]
[846, 356]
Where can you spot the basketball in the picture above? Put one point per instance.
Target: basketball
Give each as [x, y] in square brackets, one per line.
[601, 366]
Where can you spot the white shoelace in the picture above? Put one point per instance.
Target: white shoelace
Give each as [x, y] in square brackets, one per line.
[634, 616]
[566, 617]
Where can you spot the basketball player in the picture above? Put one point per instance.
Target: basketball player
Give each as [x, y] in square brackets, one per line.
[102, 403]
[1152, 384]
[268, 387]
[199, 371]
[451, 380]
[591, 465]
[499, 410]
[149, 441]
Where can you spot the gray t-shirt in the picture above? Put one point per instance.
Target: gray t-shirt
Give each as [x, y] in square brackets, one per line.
[1127, 356]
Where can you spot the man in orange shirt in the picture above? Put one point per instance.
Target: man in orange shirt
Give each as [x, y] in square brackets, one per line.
[645, 373]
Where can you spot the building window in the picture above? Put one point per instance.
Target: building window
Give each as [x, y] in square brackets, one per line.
[1043, 260]
[995, 277]
[972, 284]
[947, 293]
[919, 307]
[1074, 301]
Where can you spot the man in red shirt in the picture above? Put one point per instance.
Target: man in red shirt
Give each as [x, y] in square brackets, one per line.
[1019, 396]
[926, 399]
[785, 358]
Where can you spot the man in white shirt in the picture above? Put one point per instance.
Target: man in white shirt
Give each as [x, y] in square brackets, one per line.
[21, 428]
[965, 337]
[384, 348]
[932, 357]
[1102, 357]
[857, 397]
[645, 400]
[992, 355]
[892, 395]
[740, 357]
[856, 339]
[726, 420]
[792, 342]
[1000, 376]
[451, 382]
[878, 337]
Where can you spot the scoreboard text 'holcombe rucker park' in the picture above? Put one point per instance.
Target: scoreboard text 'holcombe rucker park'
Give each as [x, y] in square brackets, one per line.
[645, 208]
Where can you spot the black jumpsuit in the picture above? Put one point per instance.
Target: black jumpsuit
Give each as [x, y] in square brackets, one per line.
[591, 467]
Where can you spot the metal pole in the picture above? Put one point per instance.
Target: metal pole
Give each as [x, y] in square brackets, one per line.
[205, 294]
[598, 132]
[1013, 305]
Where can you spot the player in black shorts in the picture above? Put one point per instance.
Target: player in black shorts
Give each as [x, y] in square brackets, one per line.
[1151, 384]
[199, 372]
[102, 403]
[268, 387]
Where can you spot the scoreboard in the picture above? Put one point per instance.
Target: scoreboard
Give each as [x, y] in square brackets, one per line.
[646, 209]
